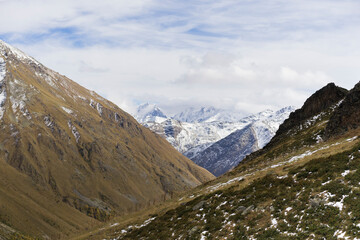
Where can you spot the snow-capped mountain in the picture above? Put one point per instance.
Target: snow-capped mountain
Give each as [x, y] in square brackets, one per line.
[149, 113]
[226, 153]
[207, 114]
[190, 138]
[229, 151]
[193, 138]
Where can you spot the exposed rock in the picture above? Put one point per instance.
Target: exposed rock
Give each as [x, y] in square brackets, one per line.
[316, 103]
[240, 209]
[316, 202]
[347, 115]
[199, 205]
[193, 230]
[247, 210]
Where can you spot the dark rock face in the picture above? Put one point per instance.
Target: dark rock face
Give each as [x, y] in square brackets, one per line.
[319, 102]
[316, 103]
[347, 115]
[228, 152]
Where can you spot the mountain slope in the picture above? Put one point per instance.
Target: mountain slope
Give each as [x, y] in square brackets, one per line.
[347, 115]
[228, 152]
[70, 158]
[300, 187]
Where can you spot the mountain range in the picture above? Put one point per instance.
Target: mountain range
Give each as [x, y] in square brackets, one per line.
[215, 144]
[152, 113]
[71, 159]
[304, 184]
[75, 166]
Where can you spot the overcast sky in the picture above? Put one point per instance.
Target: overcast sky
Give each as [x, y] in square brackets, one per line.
[246, 55]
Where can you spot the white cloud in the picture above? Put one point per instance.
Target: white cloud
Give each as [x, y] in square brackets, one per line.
[240, 54]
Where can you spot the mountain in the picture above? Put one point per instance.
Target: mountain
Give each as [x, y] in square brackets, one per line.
[190, 138]
[194, 139]
[71, 159]
[229, 151]
[304, 185]
[208, 114]
[226, 153]
[149, 113]
[196, 115]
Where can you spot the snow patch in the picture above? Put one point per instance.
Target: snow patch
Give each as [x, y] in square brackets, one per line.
[18, 97]
[340, 234]
[50, 124]
[202, 235]
[74, 131]
[274, 222]
[339, 205]
[2, 87]
[6, 48]
[92, 103]
[67, 110]
[99, 108]
[345, 173]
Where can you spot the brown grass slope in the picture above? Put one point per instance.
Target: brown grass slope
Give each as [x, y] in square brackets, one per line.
[69, 158]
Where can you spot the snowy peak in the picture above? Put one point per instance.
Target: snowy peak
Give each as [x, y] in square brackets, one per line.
[149, 113]
[208, 114]
[196, 115]
[257, 130]
[7, 49]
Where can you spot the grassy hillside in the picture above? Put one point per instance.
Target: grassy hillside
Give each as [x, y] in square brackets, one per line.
[301, 187]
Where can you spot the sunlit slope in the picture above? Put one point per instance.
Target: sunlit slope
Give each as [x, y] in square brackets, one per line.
[70, 158]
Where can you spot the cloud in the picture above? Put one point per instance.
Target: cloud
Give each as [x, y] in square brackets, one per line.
[240, 54]
[85, 67]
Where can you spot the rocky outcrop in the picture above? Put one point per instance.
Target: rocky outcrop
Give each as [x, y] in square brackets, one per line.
[347, 115]
[326, 100]
[316, 103]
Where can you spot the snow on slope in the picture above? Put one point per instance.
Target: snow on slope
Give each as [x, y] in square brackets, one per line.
[149, 113]
[226, 153]
[19, 54]
[193, 138]
[208, 114]
[2, 87]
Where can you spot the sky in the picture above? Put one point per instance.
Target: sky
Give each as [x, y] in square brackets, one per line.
[240, 55]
